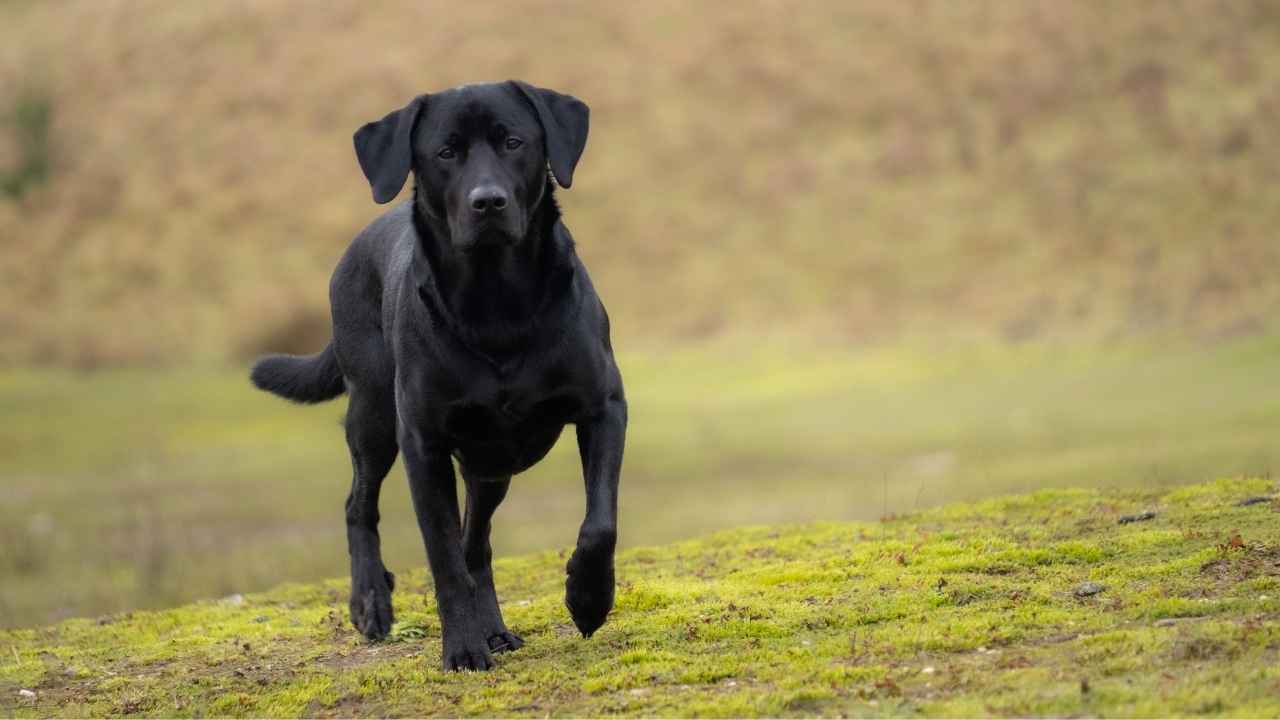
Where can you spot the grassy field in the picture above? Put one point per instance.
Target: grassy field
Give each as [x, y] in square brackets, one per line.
[1041, 604]
[858, 171]
[132, 489]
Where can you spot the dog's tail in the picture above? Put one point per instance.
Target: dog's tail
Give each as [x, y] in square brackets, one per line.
[300, 378]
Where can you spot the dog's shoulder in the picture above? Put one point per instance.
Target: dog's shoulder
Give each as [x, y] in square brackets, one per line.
[385, 241]
[391, 227]
[582, 310]
[376, 257]
[585, 299]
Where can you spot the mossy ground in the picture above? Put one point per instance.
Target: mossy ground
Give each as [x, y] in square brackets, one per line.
[965, 610]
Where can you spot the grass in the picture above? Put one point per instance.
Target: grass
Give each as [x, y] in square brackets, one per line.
[135, 489]
[981, 609]
[857, 171]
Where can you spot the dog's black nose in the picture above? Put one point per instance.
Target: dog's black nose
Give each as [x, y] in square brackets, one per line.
[488, 199]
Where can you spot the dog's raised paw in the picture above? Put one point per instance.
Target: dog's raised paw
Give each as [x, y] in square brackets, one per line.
[589, 592]
[371, 611]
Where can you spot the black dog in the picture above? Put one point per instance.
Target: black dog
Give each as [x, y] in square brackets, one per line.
[465, 325]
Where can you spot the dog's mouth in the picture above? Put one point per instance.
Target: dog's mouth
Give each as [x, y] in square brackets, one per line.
[492, 234]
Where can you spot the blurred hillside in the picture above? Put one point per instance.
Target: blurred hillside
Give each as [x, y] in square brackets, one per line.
[179, 180]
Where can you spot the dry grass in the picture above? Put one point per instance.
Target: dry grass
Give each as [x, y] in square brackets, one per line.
[855, 171]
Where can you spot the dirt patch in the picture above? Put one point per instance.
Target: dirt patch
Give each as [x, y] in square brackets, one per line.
[370, 653]
[1242, 562]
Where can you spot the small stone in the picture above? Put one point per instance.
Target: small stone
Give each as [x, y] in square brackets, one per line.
[1165, 622]
[28, 694]
[638, 691]
[1087, 589]
[927, 670]
[1256, 500]
[731, 683]
[1140, 517]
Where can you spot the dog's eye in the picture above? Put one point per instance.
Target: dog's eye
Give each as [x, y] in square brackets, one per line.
[446, 153]
[514, 142]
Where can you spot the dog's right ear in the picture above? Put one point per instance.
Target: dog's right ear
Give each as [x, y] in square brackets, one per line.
[384, 149]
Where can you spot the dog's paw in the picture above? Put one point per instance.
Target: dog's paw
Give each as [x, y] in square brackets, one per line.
[371, 604]
[588, 589]
[505, 641]
[467, 654]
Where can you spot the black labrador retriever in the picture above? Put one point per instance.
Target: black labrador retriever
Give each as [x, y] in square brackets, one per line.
[465, 326]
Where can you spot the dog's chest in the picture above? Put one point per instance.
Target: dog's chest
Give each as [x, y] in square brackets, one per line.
[489, 415]
[501, 427]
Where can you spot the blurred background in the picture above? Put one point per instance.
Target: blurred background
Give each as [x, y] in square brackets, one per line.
[861, 258]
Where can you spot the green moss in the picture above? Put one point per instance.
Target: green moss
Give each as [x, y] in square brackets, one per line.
[900, 617]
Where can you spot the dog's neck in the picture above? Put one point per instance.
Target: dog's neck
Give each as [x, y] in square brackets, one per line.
[490, 297]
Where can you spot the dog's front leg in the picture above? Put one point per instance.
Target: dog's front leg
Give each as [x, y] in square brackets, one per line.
[590, 582]
[483, 497]
[435, 500]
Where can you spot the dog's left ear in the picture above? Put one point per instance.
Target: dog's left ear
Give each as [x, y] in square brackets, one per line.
[384, 149]
[564, 121]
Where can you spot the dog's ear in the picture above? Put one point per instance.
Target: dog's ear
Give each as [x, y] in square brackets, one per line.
[564, 121]
[384, 149]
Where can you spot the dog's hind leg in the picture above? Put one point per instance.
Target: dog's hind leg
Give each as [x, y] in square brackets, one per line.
[371, 437]
[483, 497]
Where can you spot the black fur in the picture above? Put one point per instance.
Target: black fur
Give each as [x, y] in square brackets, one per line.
[466, 328]
[300, 378]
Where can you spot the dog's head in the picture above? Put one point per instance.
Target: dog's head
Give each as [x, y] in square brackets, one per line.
[479, 154]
